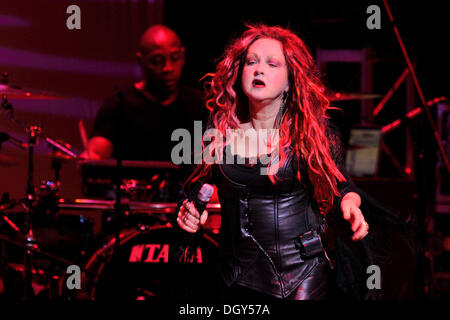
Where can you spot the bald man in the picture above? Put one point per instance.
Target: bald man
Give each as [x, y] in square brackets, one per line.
[152, 107]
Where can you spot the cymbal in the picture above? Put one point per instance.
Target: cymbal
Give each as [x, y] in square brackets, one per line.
[342, 96]
[16, 92]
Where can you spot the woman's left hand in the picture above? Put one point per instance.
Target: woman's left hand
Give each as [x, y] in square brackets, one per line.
[353, 214]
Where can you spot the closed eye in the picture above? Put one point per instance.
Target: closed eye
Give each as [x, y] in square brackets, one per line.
[273, 63]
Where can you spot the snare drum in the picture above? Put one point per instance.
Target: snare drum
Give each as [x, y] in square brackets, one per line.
[143, 268]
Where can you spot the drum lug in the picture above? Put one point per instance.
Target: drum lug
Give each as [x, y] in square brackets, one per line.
[142, 227]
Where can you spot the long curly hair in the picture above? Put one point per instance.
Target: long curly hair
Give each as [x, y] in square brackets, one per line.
[304, 120]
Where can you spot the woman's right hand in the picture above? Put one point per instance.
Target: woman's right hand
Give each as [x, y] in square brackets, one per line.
[188, 217]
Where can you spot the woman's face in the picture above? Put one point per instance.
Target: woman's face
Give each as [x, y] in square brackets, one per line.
[265, 73]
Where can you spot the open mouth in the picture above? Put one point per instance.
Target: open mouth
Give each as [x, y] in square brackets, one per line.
[258, 83]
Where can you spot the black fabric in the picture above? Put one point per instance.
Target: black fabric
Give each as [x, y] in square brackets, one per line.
[145, 127]
[353, 258]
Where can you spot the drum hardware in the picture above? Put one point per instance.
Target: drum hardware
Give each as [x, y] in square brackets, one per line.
[57, 159]
[34, 132]
[144, 258]
[7, 204]
[119, 284]
[138, 212]
[65, 262]
[134, 206]
[152, 181]
[49, 189]
[42, 203]
[17, 92]
[6, 160]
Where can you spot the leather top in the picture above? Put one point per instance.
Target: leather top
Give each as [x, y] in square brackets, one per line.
[261, 222]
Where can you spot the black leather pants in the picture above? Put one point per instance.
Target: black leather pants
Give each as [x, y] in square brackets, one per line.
[314, 287]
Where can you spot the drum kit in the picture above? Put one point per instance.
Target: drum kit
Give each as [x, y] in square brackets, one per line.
[122, 246]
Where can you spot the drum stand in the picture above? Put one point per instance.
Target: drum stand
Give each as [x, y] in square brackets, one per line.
[30, 245]
[30, 241]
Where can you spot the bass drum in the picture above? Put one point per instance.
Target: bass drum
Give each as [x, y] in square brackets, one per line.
[143, 268]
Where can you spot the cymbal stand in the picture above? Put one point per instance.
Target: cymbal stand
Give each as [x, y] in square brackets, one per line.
[30, 242]
[34, 132]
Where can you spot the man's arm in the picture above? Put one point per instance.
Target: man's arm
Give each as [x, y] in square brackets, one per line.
[98, 148]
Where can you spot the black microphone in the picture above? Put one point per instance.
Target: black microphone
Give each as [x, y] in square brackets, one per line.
[203, 196]
[200, 203]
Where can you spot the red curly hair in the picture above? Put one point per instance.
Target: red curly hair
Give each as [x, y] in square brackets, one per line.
[304, 122]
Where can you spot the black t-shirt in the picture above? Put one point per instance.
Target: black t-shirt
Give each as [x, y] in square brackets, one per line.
[143, 129]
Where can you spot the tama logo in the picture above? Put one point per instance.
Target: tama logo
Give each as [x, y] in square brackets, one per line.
[157, 253]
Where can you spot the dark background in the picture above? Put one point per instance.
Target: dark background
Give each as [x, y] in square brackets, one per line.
[206, 26]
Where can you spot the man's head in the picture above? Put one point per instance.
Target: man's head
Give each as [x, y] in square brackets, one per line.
[161, 57]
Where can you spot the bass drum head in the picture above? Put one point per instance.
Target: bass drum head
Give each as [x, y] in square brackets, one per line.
[143, 268]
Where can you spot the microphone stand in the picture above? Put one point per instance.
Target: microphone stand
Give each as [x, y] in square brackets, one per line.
[419, 145]
[423, 104]
[62, 261]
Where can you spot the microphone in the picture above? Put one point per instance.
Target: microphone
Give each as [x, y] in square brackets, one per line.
[203, 197]
[200, 203]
